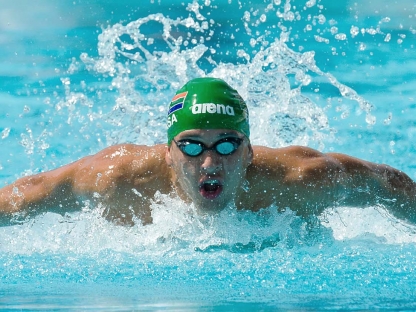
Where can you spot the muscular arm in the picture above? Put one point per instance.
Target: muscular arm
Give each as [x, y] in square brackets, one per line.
[110, 176]
[368, 183]
[308, 181]
[40, 192]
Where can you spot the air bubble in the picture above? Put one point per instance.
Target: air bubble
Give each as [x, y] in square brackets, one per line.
[341, 36]
[310, 3]
[354, 31]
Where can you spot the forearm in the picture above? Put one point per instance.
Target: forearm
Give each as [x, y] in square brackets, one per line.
[11, 200]
[35, 194]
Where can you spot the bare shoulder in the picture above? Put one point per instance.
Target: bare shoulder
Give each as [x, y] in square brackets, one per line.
[124, 160]
[114, 166]
[263, 153]
[290, 177]
[299, 163]
[293, 163]
[130, 156]
[284, 157]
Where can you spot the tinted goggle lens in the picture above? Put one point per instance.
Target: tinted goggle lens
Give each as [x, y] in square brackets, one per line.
[222, 147]
[226, 148]
[191, 149]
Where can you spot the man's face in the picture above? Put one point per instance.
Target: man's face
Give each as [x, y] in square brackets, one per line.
[209, 180]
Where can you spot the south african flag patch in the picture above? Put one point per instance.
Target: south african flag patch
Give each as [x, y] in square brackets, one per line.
[177, 102]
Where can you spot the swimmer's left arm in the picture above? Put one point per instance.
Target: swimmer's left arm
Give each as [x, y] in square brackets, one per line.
[369, 183]
[312, 181]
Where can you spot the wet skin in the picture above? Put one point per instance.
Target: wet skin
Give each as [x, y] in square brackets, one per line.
[124, 178]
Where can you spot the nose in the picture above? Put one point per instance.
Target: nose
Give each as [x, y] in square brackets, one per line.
[211, 162]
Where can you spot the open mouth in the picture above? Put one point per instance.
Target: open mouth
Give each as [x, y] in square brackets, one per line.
[210, 189]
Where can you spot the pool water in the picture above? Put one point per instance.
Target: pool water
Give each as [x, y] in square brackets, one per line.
[77, 76]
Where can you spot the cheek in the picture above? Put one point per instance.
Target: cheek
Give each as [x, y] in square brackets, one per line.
[178, 163]
[186, 168]
[239, 163]
[235, 165]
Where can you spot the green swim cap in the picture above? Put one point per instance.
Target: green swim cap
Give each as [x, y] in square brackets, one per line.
[207, 103]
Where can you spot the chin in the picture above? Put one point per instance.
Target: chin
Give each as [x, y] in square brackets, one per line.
[211, 206]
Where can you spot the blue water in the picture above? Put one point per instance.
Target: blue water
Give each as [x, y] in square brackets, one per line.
[336, 76]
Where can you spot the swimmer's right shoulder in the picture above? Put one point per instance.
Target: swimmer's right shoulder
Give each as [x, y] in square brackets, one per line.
[132, 150]
[122, 155]
[122, 161]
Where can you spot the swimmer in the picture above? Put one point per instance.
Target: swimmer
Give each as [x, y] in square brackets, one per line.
[210, 162]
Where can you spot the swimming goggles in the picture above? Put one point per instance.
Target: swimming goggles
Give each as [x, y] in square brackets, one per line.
[192, 148]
